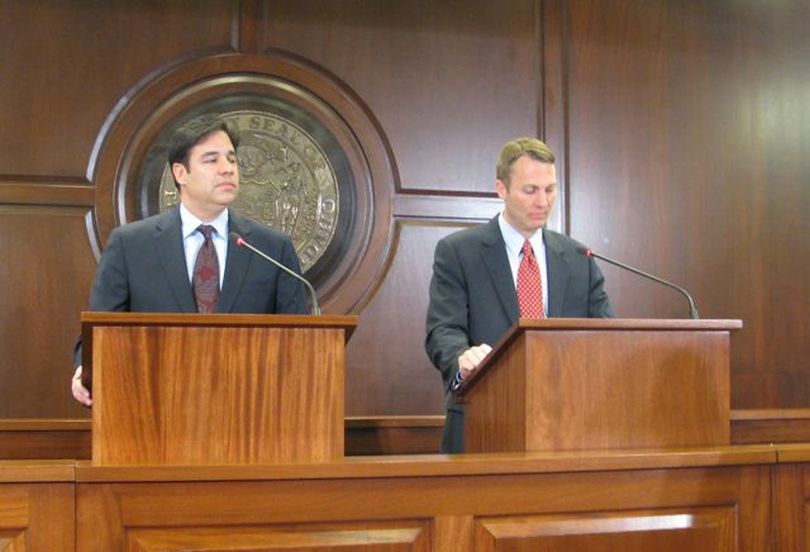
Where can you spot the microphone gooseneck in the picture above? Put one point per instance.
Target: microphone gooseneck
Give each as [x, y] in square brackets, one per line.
[588, 252]
[316, 309]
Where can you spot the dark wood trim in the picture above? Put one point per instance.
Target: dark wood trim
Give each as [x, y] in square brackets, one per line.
[248, 24]
[552, 88]
[371, 435]
[446, 208]
[68, 192]
[363, 436]
[770, 426]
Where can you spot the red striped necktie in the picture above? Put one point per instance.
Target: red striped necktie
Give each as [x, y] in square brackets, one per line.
[529, 287]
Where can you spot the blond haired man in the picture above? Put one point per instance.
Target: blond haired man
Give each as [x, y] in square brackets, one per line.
[481, 274]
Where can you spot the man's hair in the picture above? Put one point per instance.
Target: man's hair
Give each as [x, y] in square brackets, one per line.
[194, 132]
[516, 149]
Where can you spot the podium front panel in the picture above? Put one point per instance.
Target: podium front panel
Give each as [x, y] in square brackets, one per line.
[168, 395]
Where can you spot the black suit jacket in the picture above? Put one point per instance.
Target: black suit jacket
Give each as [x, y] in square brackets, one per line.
[473, 300]
[143, 269]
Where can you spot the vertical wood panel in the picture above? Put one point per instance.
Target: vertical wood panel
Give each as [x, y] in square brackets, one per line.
[387, 369]
[686, 125]
[45, 275]
[450, 81]
[66, 64]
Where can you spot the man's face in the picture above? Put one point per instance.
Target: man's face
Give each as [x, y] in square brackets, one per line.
[530, 195]
[211, 182]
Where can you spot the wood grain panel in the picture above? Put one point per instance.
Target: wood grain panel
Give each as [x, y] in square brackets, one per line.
[790, 501]
[363, 436]
[705, 529]
[387, 370]
[500, 400]
[580, 384]
[635, 390]
[217, 395]
[319, 538]
[770, 426]
[45, 275]
[12, 541]
[68, 192]
[700, 500]
[36, 516]
[68, 64]
[449, 81]
[685, 125]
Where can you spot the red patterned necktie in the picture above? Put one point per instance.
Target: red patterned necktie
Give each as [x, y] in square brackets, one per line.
[206, 273]
[529, 288]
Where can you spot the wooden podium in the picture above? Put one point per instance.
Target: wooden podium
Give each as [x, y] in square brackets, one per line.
[584, 384]
[193, 389]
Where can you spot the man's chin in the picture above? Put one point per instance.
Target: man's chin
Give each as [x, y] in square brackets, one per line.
[226, 197]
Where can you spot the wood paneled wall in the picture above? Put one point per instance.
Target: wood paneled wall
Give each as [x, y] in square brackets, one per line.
[681, 130]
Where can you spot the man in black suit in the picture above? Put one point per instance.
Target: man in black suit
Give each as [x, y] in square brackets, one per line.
[152, 265]
[473, 298]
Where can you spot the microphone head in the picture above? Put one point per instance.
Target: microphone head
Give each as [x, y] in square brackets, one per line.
[238, 239]
[582, 250]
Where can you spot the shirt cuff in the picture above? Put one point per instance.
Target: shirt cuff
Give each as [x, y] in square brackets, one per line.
[457, 382]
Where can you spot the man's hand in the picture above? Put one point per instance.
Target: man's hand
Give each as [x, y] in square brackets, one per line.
[470, 359]
[79, 392]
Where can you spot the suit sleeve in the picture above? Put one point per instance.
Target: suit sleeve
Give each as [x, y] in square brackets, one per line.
[291, 296]
[598, 301]
[110, 290]
[447, 325]
[111, 286]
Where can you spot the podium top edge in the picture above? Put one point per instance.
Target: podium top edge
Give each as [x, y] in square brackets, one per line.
[92, 318]
[627, 324]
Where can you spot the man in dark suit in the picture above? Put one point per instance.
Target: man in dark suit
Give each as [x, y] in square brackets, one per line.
[486, 277]
[183, 260]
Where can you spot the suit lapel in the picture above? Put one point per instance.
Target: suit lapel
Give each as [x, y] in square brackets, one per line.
[169, 244]
[493, 254]
[557, 274]
[236, 265]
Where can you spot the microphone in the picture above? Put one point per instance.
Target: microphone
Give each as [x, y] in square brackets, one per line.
[316, 309]
[588, 252]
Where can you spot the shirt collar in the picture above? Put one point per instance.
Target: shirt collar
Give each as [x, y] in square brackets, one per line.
[190, 223]
[514, 239]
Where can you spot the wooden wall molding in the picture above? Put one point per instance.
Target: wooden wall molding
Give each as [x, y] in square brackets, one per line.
[364, 435]
[61, 194]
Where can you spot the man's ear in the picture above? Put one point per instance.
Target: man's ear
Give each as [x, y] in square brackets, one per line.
[180, 173]
[501, 188]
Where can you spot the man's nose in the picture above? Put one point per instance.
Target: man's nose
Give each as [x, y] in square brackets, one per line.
[226, 165]
[541, 200]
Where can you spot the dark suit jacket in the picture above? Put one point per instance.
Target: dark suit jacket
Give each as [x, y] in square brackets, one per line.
[143, 269]
[473, 300]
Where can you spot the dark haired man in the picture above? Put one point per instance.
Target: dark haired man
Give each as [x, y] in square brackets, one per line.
[182, 260]
[486, 277]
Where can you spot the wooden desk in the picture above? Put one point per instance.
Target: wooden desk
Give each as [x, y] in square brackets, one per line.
[699, 499]
[747, 498]
[37, 505]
